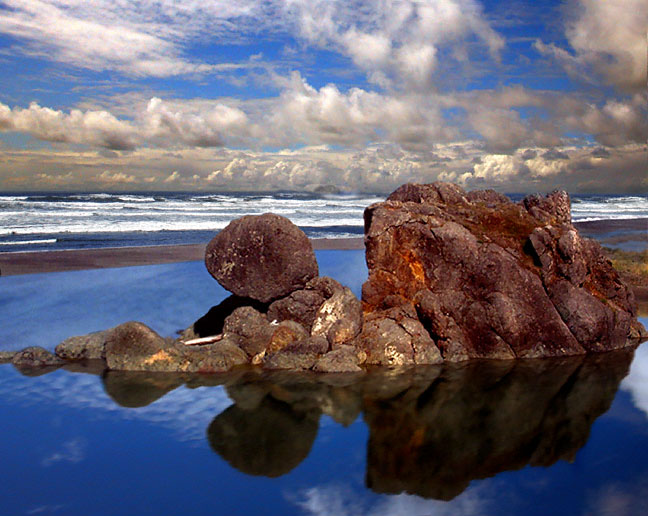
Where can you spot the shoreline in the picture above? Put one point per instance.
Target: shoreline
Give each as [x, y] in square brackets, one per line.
[40, 262]
[36, 262]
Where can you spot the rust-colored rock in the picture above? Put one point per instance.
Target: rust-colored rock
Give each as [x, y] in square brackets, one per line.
[263, 257]
[488, 278]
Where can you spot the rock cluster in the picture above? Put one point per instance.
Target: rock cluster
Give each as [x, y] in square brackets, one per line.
[453, 275]
[488, 278]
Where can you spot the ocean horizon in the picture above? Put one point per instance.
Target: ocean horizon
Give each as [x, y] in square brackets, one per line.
[47, 221]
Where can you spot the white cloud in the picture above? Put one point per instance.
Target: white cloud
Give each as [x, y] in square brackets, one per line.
[173, 177]
[395, 42]
[97, 128]
[303, 114]
[158, 125]
[184, 411]
[116, 177]
[100, 35]
[201, 129]
[608, 39]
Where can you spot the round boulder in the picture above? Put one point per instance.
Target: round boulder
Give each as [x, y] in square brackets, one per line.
[263, 257]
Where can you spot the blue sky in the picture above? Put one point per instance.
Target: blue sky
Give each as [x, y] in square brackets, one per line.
[293, 94]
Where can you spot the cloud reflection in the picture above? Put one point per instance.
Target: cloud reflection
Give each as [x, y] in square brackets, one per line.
[73, 451]
[636, 383]
[342, 501]
[185, 411]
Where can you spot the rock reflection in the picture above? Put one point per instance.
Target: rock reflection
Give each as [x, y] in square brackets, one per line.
[137, 388]
[476, 421]
[270, 439]
[432, 429]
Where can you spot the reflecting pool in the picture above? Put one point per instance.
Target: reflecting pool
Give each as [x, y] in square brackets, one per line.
[532, 437]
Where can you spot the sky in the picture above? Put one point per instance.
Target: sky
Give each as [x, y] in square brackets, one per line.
[262, 95]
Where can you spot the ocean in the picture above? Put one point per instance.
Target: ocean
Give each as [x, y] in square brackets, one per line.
[57, 221]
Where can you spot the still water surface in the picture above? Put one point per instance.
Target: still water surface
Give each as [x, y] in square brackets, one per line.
[526, 437]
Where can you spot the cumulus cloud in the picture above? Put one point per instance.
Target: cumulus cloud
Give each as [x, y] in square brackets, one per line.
[157, 125]
[98, 128]
[572, 168]
[608, 39]
[397, 43]
[377, 168]
[304, 114]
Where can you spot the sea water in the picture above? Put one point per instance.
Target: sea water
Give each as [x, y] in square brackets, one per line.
[53, 221]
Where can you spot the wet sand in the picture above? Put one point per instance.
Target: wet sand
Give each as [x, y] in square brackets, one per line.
[81, 259]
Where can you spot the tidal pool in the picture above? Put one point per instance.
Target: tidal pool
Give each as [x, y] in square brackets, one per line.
[563, 436]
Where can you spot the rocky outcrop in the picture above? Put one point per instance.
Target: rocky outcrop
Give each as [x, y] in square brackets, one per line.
[487, 278]
[453, 276]
[263, 257]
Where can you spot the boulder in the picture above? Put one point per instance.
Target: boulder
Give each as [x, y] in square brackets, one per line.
[293, 360]
[488, 278]
[264, 257]
[83, 347]
[133, 346]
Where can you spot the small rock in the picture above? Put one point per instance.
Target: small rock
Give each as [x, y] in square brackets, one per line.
[83, 347]
[133, 346]
[292, 360]
[249, 329]
[339, 319]
[213, 321]
[301, 306]
[264, 257]
[212, 358]
[6, 356]
[35, 356]
[287, 333]
[344, 359]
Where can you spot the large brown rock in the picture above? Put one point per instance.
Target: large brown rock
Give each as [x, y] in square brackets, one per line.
[489, 278]
[263, 257]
